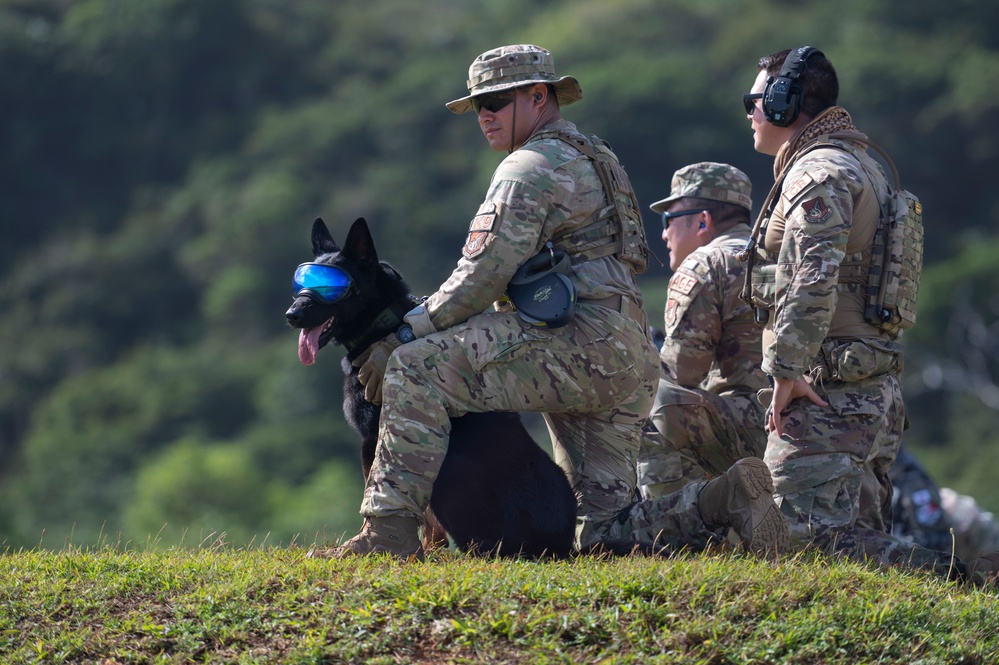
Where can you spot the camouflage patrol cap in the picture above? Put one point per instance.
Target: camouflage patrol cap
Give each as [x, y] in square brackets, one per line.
[709, 180]
[511, 67]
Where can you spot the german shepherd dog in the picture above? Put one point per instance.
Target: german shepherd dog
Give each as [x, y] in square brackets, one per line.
[497, 491]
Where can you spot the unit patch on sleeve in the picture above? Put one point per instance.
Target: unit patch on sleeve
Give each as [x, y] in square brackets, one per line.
[816, 210]
[478, 231]
[670, 314]
[475, 245]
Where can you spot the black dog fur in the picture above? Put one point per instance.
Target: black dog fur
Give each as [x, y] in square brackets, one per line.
[497, 491]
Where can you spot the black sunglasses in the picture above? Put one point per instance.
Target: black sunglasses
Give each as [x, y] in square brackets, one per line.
[670, 216]
[749, 101]
[493, 101]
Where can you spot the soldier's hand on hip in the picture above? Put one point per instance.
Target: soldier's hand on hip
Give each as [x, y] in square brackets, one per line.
[786, 390]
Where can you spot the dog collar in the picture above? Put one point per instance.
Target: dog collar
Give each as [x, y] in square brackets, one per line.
[388, 321]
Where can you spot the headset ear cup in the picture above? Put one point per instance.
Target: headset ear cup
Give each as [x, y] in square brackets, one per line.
[781, 102]
[783, 96]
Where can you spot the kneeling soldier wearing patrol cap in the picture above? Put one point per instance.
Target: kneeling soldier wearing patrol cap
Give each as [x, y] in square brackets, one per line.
[707, 414]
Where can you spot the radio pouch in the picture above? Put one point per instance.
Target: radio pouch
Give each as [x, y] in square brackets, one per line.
[541, 290]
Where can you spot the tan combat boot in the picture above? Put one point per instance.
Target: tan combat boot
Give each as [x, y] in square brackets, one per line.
[395, 535]
[743, 499]
[984, 571]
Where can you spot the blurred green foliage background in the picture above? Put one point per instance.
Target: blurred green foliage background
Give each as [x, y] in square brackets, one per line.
[162, 162]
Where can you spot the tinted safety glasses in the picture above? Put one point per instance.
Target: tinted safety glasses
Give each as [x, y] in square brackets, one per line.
[749, 101]
[670, 216]
[492, 102]
[327, 283]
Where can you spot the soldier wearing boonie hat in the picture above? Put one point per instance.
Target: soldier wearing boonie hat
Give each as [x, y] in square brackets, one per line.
[514, 66]
[593, 377]
[706, 413]
[493, 81]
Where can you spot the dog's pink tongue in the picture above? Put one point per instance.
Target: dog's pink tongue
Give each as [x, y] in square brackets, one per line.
[308, 344]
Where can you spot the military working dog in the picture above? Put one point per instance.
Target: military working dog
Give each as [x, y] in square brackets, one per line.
[497, 491]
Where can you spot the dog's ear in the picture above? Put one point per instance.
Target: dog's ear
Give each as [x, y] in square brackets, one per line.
[359, 245]
[322, 241]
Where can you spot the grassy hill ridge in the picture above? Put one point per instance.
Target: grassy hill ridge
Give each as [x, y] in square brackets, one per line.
[274, 605]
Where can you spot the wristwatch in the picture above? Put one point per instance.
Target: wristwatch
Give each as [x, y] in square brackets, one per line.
[405, 333]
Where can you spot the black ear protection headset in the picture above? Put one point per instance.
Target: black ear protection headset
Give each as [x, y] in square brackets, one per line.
[783, 95]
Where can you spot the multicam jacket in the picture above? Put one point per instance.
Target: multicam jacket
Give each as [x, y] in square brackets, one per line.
[712, 340]
[539, 192]
[813, 263]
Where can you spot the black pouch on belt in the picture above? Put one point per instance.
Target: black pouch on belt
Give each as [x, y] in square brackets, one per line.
[541, 290]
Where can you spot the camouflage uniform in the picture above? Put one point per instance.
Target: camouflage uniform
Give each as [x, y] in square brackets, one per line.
[594, 378]
[830, 467]
[706, 412]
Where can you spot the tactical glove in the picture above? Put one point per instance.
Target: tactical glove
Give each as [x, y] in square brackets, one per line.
[371, 367]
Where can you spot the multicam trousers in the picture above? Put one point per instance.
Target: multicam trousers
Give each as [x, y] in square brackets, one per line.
[594, 380]
[830, 472]
[697, 435]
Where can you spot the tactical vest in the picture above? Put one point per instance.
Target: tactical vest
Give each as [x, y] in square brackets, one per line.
[897, 259]
[886, 273]
[616, 228]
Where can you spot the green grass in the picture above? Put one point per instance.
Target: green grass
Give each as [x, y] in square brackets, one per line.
[274, 605]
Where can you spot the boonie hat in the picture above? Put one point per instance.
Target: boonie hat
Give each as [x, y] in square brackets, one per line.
[709, 180]
[511, 67]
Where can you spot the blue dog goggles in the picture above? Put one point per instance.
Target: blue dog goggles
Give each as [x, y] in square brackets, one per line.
[327, 283]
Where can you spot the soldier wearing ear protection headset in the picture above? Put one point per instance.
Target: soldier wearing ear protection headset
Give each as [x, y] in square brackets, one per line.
[593, 375]
[836, 417]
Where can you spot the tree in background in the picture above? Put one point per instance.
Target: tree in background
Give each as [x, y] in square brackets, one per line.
[163, 162]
